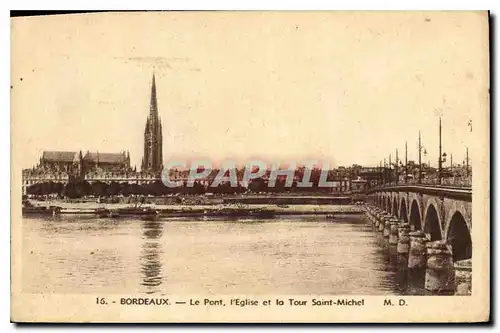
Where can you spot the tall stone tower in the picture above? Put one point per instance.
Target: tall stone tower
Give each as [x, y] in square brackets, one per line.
[152, 161]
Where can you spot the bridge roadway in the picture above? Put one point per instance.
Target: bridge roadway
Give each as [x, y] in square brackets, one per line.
[442, 212]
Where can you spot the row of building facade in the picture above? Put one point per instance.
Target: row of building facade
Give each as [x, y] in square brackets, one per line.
[65, 166]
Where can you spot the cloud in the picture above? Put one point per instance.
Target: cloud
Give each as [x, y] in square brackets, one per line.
[158, 62]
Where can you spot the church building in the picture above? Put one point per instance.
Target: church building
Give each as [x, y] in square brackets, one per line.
[106, 162]
[66, 166]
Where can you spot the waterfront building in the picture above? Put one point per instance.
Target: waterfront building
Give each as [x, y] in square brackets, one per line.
[63, 167]
[359, 185]
[374, 176]
[131, 177]
[37, 176]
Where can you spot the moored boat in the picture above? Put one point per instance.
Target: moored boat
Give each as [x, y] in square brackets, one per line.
[262, 213]
[51, 210]
[102, 212]
[132, 211]
[113, 214]
[150, 215]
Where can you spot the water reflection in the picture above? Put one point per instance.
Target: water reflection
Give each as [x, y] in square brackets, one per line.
[290, 255]
[401, 273]
[150, 257]
[77, 224]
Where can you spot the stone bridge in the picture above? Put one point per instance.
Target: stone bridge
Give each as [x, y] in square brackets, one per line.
[443, 213]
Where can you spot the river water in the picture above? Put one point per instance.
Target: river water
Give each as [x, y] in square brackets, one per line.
[289, 255]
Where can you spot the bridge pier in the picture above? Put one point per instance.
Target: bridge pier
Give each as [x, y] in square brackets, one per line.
[378, 218]
[428, 264]
[385, 219]
[387, 227]
[403, 239]
[442, 212]
[440, 272]
[463, 277]
[393, 235]
[418, 251]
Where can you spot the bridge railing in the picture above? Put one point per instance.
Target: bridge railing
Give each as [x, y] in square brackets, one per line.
[445, 182]
[456, 182]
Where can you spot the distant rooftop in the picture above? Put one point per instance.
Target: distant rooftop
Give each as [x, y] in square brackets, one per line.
[105, 157]
[60, 156]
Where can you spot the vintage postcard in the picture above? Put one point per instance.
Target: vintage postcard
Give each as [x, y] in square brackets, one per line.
[221, 166]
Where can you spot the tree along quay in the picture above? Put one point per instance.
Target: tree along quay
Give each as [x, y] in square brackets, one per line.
[420, 258]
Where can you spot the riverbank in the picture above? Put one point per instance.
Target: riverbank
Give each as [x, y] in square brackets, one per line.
[218, 199]
[259, 210]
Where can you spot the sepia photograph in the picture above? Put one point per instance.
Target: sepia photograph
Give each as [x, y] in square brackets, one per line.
[320, 166]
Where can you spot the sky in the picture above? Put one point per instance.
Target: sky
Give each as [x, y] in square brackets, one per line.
[341, 87]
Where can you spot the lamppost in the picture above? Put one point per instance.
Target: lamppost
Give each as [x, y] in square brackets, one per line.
[466, 162]
[442, 156]
[420, 148]
[390, 169]
[451, 163]
[384, 171]
[467, 152]
[379, 172]
[397, 169]
[406, 162]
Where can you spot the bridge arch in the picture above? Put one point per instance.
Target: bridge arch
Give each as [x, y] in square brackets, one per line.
[403, 213]
[415, 217]
[432, 224]
[437, 206]
[395, 210]
[459, 237]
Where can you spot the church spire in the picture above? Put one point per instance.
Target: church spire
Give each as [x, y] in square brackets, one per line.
[153, 158]
[153, 107]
